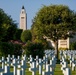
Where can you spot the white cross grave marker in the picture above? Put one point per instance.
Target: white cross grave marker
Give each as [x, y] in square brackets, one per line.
[7, 70]
[15, 66]
[2, 61]
[49, 70]
[40, 66]
[23, 66]
[34, 69]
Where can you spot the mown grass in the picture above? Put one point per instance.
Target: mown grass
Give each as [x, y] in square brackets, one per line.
[58, 70]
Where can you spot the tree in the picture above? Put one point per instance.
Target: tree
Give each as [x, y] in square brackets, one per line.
[26, 35]
[6, 48]
[73, 46]
[10, 48]
[2, 30]
[10, 33]
[17, 35]
[34, 49]
[7, 26]
[54, 22]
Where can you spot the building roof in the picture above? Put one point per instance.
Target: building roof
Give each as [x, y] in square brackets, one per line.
[23, 7]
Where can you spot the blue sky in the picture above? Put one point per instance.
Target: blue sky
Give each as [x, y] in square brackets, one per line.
[13, 7]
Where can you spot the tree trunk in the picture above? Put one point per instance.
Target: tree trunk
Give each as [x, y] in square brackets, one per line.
[56, 49]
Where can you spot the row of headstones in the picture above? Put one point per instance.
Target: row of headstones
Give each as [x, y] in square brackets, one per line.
[49, 53]
[68, 53]
[19, 65]
[71, 57]
[63, 55]
[43, 65]
[64, 66]
[15, 63]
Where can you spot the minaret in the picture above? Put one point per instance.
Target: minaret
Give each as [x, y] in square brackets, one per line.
[23, 19]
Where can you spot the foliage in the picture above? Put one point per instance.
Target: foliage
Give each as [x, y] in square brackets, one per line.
[73, 46]
[17, 50]
[32, 48]
[17, 35]
[6, 48]
[10, 48]
[26, 36]
[7, 26]
[10, 33]
[54, 22]
[44, 43]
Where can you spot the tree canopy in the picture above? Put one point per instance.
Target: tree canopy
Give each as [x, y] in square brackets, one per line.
[17, 35]
[26, 36]
[54, 22]
[7, 26]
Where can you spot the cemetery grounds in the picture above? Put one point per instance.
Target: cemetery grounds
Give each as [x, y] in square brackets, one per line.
[67, 55]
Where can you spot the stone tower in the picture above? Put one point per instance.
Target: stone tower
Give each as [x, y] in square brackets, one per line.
[23, 19]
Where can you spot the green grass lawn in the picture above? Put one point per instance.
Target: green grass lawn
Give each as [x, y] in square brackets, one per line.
[58, 70]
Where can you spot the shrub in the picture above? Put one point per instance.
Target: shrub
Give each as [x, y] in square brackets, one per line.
[6, 48]
[26, 35]
[10, 48]
[17, 50]
[34, 49]
[17, 35]
[73, 46]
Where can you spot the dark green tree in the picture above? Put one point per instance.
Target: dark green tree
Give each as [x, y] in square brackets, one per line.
[73, 46]
[26, 36]
[7, 26]
[10, 33]
[54, 22]
[6, 48]
[17, 35]
[34, 49]
[2, 30]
